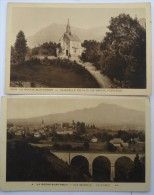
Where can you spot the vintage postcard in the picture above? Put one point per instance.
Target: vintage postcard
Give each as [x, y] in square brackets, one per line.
[75, 143]
[99, 49]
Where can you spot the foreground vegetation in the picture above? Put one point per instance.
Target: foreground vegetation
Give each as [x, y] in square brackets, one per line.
[25, 163]
[52, 73]
[121, 55]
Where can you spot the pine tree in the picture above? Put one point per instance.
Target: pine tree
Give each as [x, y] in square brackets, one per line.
[20, 47]
[138, 170]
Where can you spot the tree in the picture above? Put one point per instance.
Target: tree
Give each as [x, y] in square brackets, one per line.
[111, 147]
[20, 47]
[13, 55]
[81, 127]
[92, 51]
[124, 51]
[86, 145]
[47, 49]
[138, 171]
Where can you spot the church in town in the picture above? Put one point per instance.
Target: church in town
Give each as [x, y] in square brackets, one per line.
[70, 44]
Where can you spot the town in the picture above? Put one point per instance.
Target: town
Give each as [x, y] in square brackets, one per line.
[78, 136]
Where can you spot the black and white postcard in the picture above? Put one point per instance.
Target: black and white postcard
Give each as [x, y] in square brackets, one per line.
[75, 143]
[78, 49]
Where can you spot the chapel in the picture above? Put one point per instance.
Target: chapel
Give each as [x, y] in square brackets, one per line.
[70, 44]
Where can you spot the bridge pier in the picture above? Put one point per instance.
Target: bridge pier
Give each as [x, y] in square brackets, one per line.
[112, 173]
[90, 169]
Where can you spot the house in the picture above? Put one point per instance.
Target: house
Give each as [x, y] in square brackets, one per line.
[125, 145]
[94, 139]
[18, 133]
[41, 131]
[70, 44]
[117, 142]
[37, 134]
[63, 131]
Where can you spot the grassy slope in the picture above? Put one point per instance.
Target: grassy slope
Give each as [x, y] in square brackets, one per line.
[25, 163]
[54, 76]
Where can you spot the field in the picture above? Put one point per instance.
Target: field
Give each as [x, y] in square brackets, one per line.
[52, 75]
[80, 146]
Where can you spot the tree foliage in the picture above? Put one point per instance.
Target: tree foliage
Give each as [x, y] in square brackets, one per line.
[36, 164]
[47, 49]
[124, 51]
[111, 147]
[92, 51]
[138, 170]
[20, 47]
[81, 128]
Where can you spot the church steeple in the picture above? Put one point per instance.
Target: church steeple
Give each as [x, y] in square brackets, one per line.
[68, 28]
[42, 123]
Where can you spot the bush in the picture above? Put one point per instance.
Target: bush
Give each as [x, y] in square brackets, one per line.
[32, 62]
[111, 147]
[53, 73]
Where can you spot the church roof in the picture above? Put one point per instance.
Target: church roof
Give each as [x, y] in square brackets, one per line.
[72, 37]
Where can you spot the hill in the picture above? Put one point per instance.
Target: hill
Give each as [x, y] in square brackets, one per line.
[36, 165]
[54, 31]
[103, 115]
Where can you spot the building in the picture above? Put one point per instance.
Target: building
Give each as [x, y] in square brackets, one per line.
[37, 134]
[42, 124]
[63, 131]
[19, 133]
[70, 44]
[117, 142]
[94, 139]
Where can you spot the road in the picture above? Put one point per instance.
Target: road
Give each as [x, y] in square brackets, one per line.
[103, 81]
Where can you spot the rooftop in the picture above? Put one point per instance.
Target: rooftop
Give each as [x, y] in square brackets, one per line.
[72, 37]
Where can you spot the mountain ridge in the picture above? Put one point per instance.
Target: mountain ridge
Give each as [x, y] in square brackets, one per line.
[54, 31]
[103, 114]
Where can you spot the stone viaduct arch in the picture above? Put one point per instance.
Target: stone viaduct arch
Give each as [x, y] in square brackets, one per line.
[101, 169]
[91, 157]
[123, 166]
[81, 163]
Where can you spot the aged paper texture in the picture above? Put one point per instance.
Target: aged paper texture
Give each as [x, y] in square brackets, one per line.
[75, 143]
[96, 49]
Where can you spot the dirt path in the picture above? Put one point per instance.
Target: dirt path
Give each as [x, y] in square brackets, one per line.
[102, 80]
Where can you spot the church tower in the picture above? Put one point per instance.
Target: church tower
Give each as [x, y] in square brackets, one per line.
[42, 124]
[68, 28]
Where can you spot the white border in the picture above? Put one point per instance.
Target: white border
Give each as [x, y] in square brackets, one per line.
[3, 4]
[81, 91]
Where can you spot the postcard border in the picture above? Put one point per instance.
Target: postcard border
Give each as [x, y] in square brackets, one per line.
[72, 186]
[82, 91]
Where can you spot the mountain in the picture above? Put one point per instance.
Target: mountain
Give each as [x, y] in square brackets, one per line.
[54, 31]
[102, 115]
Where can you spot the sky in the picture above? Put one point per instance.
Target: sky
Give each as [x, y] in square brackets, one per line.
[32, 19]
[31, 107]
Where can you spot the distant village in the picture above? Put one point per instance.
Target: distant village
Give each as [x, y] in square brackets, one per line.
[43, 130]
[77, 136]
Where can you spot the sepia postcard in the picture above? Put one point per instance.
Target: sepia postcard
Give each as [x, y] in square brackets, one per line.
[96, 49]
[75, 143]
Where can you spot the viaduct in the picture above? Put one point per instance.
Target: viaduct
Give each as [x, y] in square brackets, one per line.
[90, 157]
